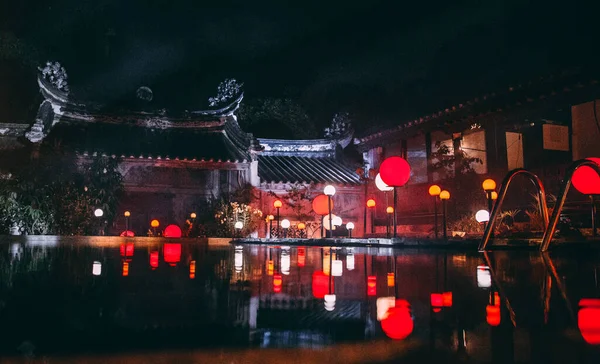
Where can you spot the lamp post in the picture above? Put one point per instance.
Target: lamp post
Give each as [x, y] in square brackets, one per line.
[371, 205]
[366, 175]
[444, 196]
[154, 224]
[389, 211]
[587, 181]
[285, 224]
[277, 204]
[320, 205]
[99, 213]
[127, 214]
[489, 185]
[395, 172]
[329, 192]
[434, 191]
[238, 228]
[350, 227]
[270, 219]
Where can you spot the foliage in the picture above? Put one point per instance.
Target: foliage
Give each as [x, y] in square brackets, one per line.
[466, 223]
[228, 213]
[452, 163]
[340, 124]
[226, 91]
[298, 198]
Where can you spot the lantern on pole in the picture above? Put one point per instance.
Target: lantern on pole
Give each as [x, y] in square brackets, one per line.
[350, 227]
[444, 196]
[285, 224]
[587, 181]
[277, 205]
[320, 205]
[395, 172]
[482, 217]
[371, 205]
[434, 191]
[329, 192]
[301, 229]
[389, 211]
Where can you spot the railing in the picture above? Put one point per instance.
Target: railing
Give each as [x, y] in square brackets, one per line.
[562, 196]
[502, 194]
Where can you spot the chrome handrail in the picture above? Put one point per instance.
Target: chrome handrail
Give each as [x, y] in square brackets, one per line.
[501, 292]
[502, 194]
[560, 201]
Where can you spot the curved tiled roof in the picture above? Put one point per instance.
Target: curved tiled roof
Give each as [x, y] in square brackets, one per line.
[291, 169]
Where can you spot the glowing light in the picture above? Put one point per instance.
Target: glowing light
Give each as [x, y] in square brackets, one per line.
[127, 250]
[447, 299]
[329, 190]
[336, 268]
[270, 217]
[301, 256]
[172, 231]
[239, 225]
[434, 190]
[285, 223]
[127, 233]
[277, 283]
[370, 203]
[125, 269]
[372, 286]
[127, 214]
[330, 302]
[98, 212]
[301, 226]
[238, 258]
[484, 278]
[391, 280]
[444, 195]
[588, 320]
[192, 269]
[172, 253]
[398, 323]
[350, 226]
[154, 259]
[337, 221]
[489, 185]
[285, 262]
[492, 315]
[277, 204]
[154, 223]
[320, 284]
[381, 186]
[193, 215]
[96, 268]
[320, 205]
[350, 261]
[482, 216]
[494, 195]
[436, 300]
[395, 171]
[334, 219]
[389, 210]
[383, 305]
[586, 180]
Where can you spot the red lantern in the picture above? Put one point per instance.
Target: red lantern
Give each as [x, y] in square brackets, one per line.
[390, 280]
[320, 284]
[398, 323]
[127, 233]
[436, 300]
[154, 259]
[127, 250]
[372, 286]
[588, 320]
[172, 231]
[586, 180]
[447, 299]
[394, 171]
[301, 256]
[172, 253]
[492, 315]
[320, 205]
[277, 281]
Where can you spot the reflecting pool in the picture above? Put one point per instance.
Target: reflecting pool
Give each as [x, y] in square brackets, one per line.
[115, 296]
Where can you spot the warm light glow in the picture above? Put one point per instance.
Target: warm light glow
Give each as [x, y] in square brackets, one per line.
[285, 223]
[154, 223]
[277, 283]
[370, 203]
[586, 180]
[239, 225]
[484, 278]
[270, 217]
[320, 205]
[336, 268]
[329, 190]
[127, 233]
[192, 269]
[172, 253]
[97, 268]
[398, 323]
[350, 261]
[395, 171]
[285, 262]
[447, 299]
[588, 320]
[494, 195]
[436, 300]
[172, 231]
[125, 269]
[98, 212]
[301, 226]
[372, 286]
[301, 256]
[434, 190]
[127, 250]
[154, 259]
[337, 221]
[320, 284]
[492, 315]
[238, 258]
[444, 195]
[326, 221]
[350, 226]
[127, 214]
[383, 305]
[381, 186]
[277, 204]
[193, 215]
[489, 185]
[482, 216]
[270, 268]
[389, 210]
[391, 280]
[330, 302]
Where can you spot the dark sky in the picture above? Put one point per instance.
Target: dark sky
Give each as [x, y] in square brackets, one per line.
[386, 59]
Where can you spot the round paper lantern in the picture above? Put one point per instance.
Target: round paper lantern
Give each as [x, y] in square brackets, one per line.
[586, 180]
[482, 216]
[381, 185]
[172, 231]
[389, 210]
[285, 223]
[370, 203]
[329, 190]
[350, 226]
[239, 225]
[337, 221]
[320, 205]
[320, 284]
[494, 195]
[334, 221]
[434, 190]
[277, 204]
[398, 323]
[301, 226]
[444, 195]
[154, 223]
[127, 214]
[98, 212]
[127, 233]
[489, 185]
[395, 171]
[492, 315]
[588, 320]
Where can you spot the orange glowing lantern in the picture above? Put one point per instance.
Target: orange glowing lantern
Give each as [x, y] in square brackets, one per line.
[172, 253]
[395, 171]
[270, 268]
[588, 320]
[586, 180]
[277, 204]
[154, 223]
[320, 205]
[172, 231]
[125, 269]
[154, 259]
[301, 256]
[127, 250]
[389, 210]
[370, 203]
[447, 299]
[390, 280]
[372, 286]
[320, 284]
[192, 269]
[301, 226]
[492, 315]
[277, 281]
[398, 323]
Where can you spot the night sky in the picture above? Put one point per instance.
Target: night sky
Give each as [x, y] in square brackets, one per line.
[382, 60]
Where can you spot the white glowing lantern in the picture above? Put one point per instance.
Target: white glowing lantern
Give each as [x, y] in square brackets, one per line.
[337, 221]
[97, 268]
[350, 261]
[333, 220]
[336, 268]
[350, 226]
[484, 278]
[239, 225]
[285, 262]
[285, 223]
[98, 212]
[329, 302]
[383, 305]
[482, 216]
[238, 258]
[329, 190]
[381, 185]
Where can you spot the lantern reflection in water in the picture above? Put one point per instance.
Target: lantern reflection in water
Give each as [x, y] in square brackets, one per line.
[277, 282]
[398, 322]
[238, 258]
[127, 250]
[172, 253]
[330, 302]
[285, 260]
[350, 260]
[154, 259]
[320, 284]
[390, 280]
[125, 269]
[484, 278]
[336, 268]
[270, 268]
[301, 256]
[436, 302]
[192, 269]
[492, 311]
[588, 320]
[371, 285]
[97, 268]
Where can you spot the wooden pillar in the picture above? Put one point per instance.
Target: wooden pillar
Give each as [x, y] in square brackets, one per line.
[495, 145]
